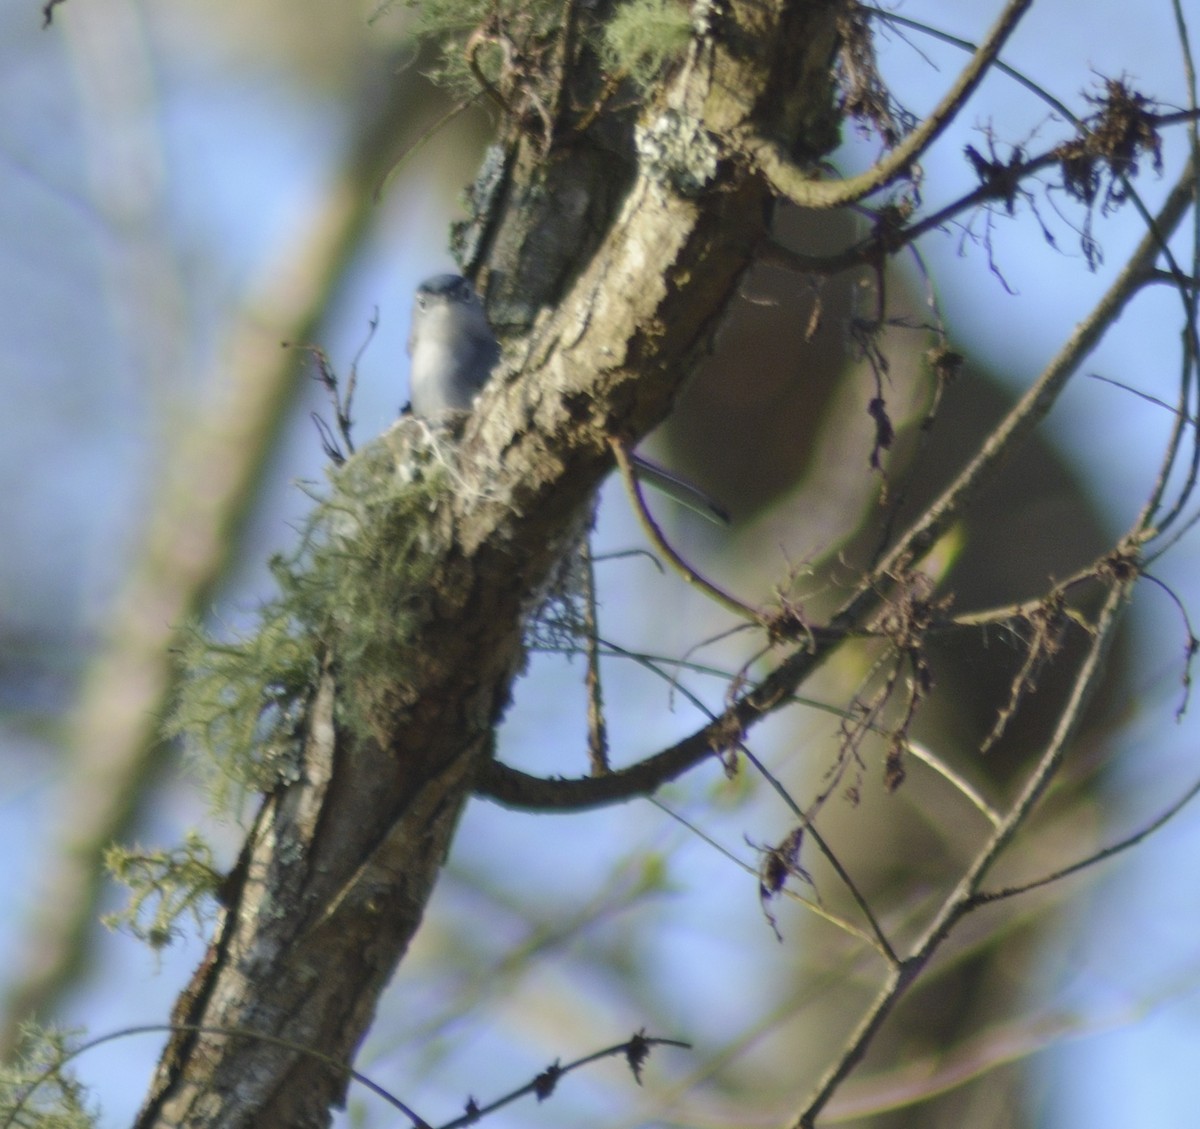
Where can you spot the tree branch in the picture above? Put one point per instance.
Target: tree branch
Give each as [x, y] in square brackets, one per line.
[962, 899]
[796, 184]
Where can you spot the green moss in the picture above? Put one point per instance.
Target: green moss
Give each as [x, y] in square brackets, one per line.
[349, 597]
[35, 1088]
[514, 46]
[239, 700]
[164, 885]
[644, 36]
[451, 23]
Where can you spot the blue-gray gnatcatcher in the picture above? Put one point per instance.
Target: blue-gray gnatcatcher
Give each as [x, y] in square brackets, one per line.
[454, 350]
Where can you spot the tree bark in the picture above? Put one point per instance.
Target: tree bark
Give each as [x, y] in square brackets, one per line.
[610, 252]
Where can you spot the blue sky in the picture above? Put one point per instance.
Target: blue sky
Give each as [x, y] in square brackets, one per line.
[155, 173]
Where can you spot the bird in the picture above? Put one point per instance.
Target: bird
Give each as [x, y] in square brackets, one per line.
[453, 351]
[452, 347]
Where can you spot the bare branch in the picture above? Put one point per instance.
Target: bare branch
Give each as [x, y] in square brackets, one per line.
[961, 900]
[982, 897]
[717, 595]
[797, 185]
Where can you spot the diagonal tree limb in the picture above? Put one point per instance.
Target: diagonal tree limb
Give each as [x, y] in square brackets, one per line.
[509, 786]
[343, 854]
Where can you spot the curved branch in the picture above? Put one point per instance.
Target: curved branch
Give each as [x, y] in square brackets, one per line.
[790, 180]
[718, 595]
[887, 240]
[508, 786]
[516, 789]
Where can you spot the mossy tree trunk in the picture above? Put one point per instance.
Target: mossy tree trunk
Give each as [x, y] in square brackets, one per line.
[610, 248]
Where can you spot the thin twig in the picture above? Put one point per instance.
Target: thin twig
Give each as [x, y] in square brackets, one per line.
[810, 829]
[956, 779]
[962, 898]
[597, 727]
[635, 1050]
[813, 907]
[985, 896]
[424, 136]
[1038, 400]
[718, 595]
[543, 1085]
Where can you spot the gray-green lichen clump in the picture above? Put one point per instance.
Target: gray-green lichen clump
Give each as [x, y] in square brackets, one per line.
[347, 600]
[506, 44]
[645, 36]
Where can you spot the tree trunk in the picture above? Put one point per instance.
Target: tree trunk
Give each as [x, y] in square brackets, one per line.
[610, 250]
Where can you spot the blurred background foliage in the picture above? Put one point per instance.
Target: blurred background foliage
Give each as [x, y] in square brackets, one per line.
[186, 187]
